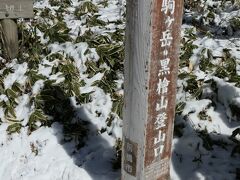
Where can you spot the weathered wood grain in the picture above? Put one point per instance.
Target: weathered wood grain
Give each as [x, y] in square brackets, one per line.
[152, 40]
[9, 36]
[16, 9]
[138, 43]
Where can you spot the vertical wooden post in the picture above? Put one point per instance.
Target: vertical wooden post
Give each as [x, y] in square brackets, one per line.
[151, 67]
[9, 37]
[9, 10]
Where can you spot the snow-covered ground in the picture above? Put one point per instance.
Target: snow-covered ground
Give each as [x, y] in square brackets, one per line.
[61, 99]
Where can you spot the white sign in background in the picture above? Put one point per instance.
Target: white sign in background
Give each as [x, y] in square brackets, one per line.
[11, 9]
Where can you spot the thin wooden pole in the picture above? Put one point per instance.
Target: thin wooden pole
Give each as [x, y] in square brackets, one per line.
[9, 36]
[151, 67]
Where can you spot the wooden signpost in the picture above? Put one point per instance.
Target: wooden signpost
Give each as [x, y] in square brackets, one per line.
[9, 10]
[151, 67]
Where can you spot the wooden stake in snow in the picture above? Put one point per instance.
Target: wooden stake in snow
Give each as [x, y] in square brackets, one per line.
[151, 67]
[9, 10]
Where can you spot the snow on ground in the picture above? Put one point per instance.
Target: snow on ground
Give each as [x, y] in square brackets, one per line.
[38, 156]
[50, 132]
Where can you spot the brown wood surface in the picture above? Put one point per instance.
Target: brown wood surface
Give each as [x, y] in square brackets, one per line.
[159, 167]
[9, 37]
[16, 9]
[152, 36]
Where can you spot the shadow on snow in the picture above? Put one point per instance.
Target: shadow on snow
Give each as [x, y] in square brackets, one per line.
[203, 155]
[81, 139]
